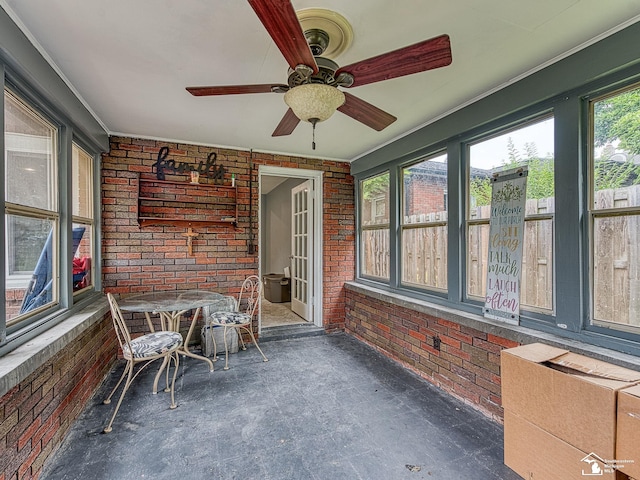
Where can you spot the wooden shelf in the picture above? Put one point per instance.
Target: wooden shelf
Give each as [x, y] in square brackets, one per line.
[186, 204]
[182, 222]
[183, 184]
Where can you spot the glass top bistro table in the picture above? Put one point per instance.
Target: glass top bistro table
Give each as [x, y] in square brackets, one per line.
[170, 306]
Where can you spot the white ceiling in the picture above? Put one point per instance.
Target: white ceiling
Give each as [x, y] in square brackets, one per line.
[130, 61]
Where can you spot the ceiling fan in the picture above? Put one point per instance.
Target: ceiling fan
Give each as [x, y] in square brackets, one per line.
[311, 91]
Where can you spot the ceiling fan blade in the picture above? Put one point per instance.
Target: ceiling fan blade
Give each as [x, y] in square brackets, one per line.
[422, 56]
[280, 20]
[287, 125]
[235, 89]
[366, 113]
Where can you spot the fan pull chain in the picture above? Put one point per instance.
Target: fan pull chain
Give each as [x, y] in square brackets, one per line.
[313, 132]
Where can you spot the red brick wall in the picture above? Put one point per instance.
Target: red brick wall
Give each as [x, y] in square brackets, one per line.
[466, 366]
[13, 301]
[155, 257]
[36, 414]
[426, 195]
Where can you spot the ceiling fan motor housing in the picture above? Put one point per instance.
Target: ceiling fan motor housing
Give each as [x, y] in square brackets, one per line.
[303, 75]
[325, 76]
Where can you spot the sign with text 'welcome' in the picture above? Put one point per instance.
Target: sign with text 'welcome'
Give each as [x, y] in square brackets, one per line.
[506, 233]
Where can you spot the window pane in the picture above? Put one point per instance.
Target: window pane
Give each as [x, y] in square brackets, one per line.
[30, 156]
[82, 181]
[615, 184]
[536, 282]
[424, 256]
[616, 150]
[29, 256]
[82, 244]
[375, 253]
[616, 270]
[477, 252]
[424, 199]
[374, 214]
[531, 145]
[425, 191]
[375, 200]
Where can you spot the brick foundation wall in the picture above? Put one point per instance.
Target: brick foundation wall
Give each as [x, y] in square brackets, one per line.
[36, 414]
[155, 257]
[466, 366]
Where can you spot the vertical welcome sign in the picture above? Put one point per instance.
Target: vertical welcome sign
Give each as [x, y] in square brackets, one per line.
[506, 233]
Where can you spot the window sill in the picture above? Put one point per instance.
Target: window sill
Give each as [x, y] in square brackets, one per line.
[516, 333]
[18, 364]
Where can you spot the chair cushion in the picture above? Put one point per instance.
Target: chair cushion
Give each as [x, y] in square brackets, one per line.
[153, 344]
[226, 318]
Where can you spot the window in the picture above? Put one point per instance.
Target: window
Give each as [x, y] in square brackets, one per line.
[48, 254]
[82, 183]
[578, 133]
[374, 223]
[31, 209]
[615, 209]
[424, 224]
[531, 145]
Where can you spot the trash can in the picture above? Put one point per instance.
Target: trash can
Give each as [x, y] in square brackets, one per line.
[277, 288]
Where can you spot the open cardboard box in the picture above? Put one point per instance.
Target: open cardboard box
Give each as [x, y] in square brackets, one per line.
[570, 396]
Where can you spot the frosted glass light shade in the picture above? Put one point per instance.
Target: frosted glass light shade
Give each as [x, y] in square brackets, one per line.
[314, 101]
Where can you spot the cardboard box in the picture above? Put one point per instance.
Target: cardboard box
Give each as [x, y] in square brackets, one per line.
[570, 396]
[628, 432]
[533, 453]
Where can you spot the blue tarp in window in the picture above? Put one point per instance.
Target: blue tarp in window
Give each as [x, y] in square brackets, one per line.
[39, 292]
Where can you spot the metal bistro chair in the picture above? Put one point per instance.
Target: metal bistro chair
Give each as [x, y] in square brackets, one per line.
[211, 334]
[241, 318]
[144, 349]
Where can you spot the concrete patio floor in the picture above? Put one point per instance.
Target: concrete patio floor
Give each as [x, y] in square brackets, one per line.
[323, 407]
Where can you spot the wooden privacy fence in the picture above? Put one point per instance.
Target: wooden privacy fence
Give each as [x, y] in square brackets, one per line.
[424, 251]
[375, 253]
[616, 272]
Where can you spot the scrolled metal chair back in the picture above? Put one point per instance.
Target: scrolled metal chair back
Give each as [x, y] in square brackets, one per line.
[250, 293]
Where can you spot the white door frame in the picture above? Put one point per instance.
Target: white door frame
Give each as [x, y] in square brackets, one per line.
[303, 174]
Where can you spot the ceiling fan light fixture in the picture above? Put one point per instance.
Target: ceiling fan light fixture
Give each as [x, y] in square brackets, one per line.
[314, 101]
